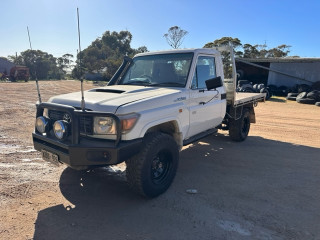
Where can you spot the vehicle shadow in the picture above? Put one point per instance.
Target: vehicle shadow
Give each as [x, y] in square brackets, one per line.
[270, 188]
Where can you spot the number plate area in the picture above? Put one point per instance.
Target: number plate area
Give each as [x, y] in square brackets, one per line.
[50, 157]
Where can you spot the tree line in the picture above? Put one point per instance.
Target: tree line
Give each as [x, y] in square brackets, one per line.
[43, 65]
[104, 55]
[251, 51]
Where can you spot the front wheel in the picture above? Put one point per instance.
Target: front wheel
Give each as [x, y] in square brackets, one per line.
[151, 172]
[239, 129]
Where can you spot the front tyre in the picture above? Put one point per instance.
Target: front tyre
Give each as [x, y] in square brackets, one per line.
[151, 172]
[239, 129]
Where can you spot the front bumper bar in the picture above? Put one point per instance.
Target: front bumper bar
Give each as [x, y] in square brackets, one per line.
[80, 152]
[89, 152]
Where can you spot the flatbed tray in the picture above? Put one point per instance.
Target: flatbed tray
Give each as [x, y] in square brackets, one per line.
[242, 98]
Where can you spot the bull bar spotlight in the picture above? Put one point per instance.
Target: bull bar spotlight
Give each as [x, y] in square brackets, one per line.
[60, 129]
[42, 124]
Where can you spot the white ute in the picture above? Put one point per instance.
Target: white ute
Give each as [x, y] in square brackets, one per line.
[155, 103]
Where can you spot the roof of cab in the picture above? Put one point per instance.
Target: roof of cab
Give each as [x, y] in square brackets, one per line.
[192, 50]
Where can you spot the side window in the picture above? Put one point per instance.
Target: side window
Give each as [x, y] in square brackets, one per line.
[205, 69]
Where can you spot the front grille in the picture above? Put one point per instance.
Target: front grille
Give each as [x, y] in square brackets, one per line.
[55, 115]
[86, 125]
[86, 122]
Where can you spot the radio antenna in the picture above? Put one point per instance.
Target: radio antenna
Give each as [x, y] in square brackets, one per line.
[35, 71]
[80, 67]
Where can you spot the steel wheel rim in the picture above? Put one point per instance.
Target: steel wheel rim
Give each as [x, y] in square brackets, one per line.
[160, 167]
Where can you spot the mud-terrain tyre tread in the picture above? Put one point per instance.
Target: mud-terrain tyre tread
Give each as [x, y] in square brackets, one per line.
[236, 132]
[139, 166]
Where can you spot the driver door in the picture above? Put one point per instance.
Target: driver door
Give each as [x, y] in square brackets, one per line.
[205, 107]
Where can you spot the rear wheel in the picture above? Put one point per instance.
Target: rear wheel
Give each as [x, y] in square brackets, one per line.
[239, 129]
[151, 172]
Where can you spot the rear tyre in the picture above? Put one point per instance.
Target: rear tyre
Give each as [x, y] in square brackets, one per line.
[239, 129]
[151, 172]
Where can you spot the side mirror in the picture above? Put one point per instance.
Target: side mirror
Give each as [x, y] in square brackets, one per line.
[214, 83]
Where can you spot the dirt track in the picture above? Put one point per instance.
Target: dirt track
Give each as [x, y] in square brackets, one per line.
[264, 188]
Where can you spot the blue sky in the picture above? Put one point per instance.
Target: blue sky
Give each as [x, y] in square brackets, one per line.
[53, 23]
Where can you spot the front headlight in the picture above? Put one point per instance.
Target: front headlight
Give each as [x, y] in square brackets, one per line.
[104, 126]
[42, 124]
[60, 129]
[107, 125]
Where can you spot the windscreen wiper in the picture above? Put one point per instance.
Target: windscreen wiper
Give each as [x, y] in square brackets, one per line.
[137, 83]
[175, 84]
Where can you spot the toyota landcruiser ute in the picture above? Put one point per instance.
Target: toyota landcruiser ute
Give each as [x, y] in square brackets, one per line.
[155, 104]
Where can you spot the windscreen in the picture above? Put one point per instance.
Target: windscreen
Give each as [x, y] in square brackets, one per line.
[166, 70]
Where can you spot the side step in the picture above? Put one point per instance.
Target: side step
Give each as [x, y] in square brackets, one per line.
[199, 136]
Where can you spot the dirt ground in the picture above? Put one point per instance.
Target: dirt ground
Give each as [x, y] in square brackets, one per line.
[264, 188]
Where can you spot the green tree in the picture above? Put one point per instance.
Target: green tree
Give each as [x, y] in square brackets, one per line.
[250, 51]
[16, 59]
[141, 50]
[224, 41]
[175, 36]
[105, 54]
[64, 62]
[41, 64]
[280, 51]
